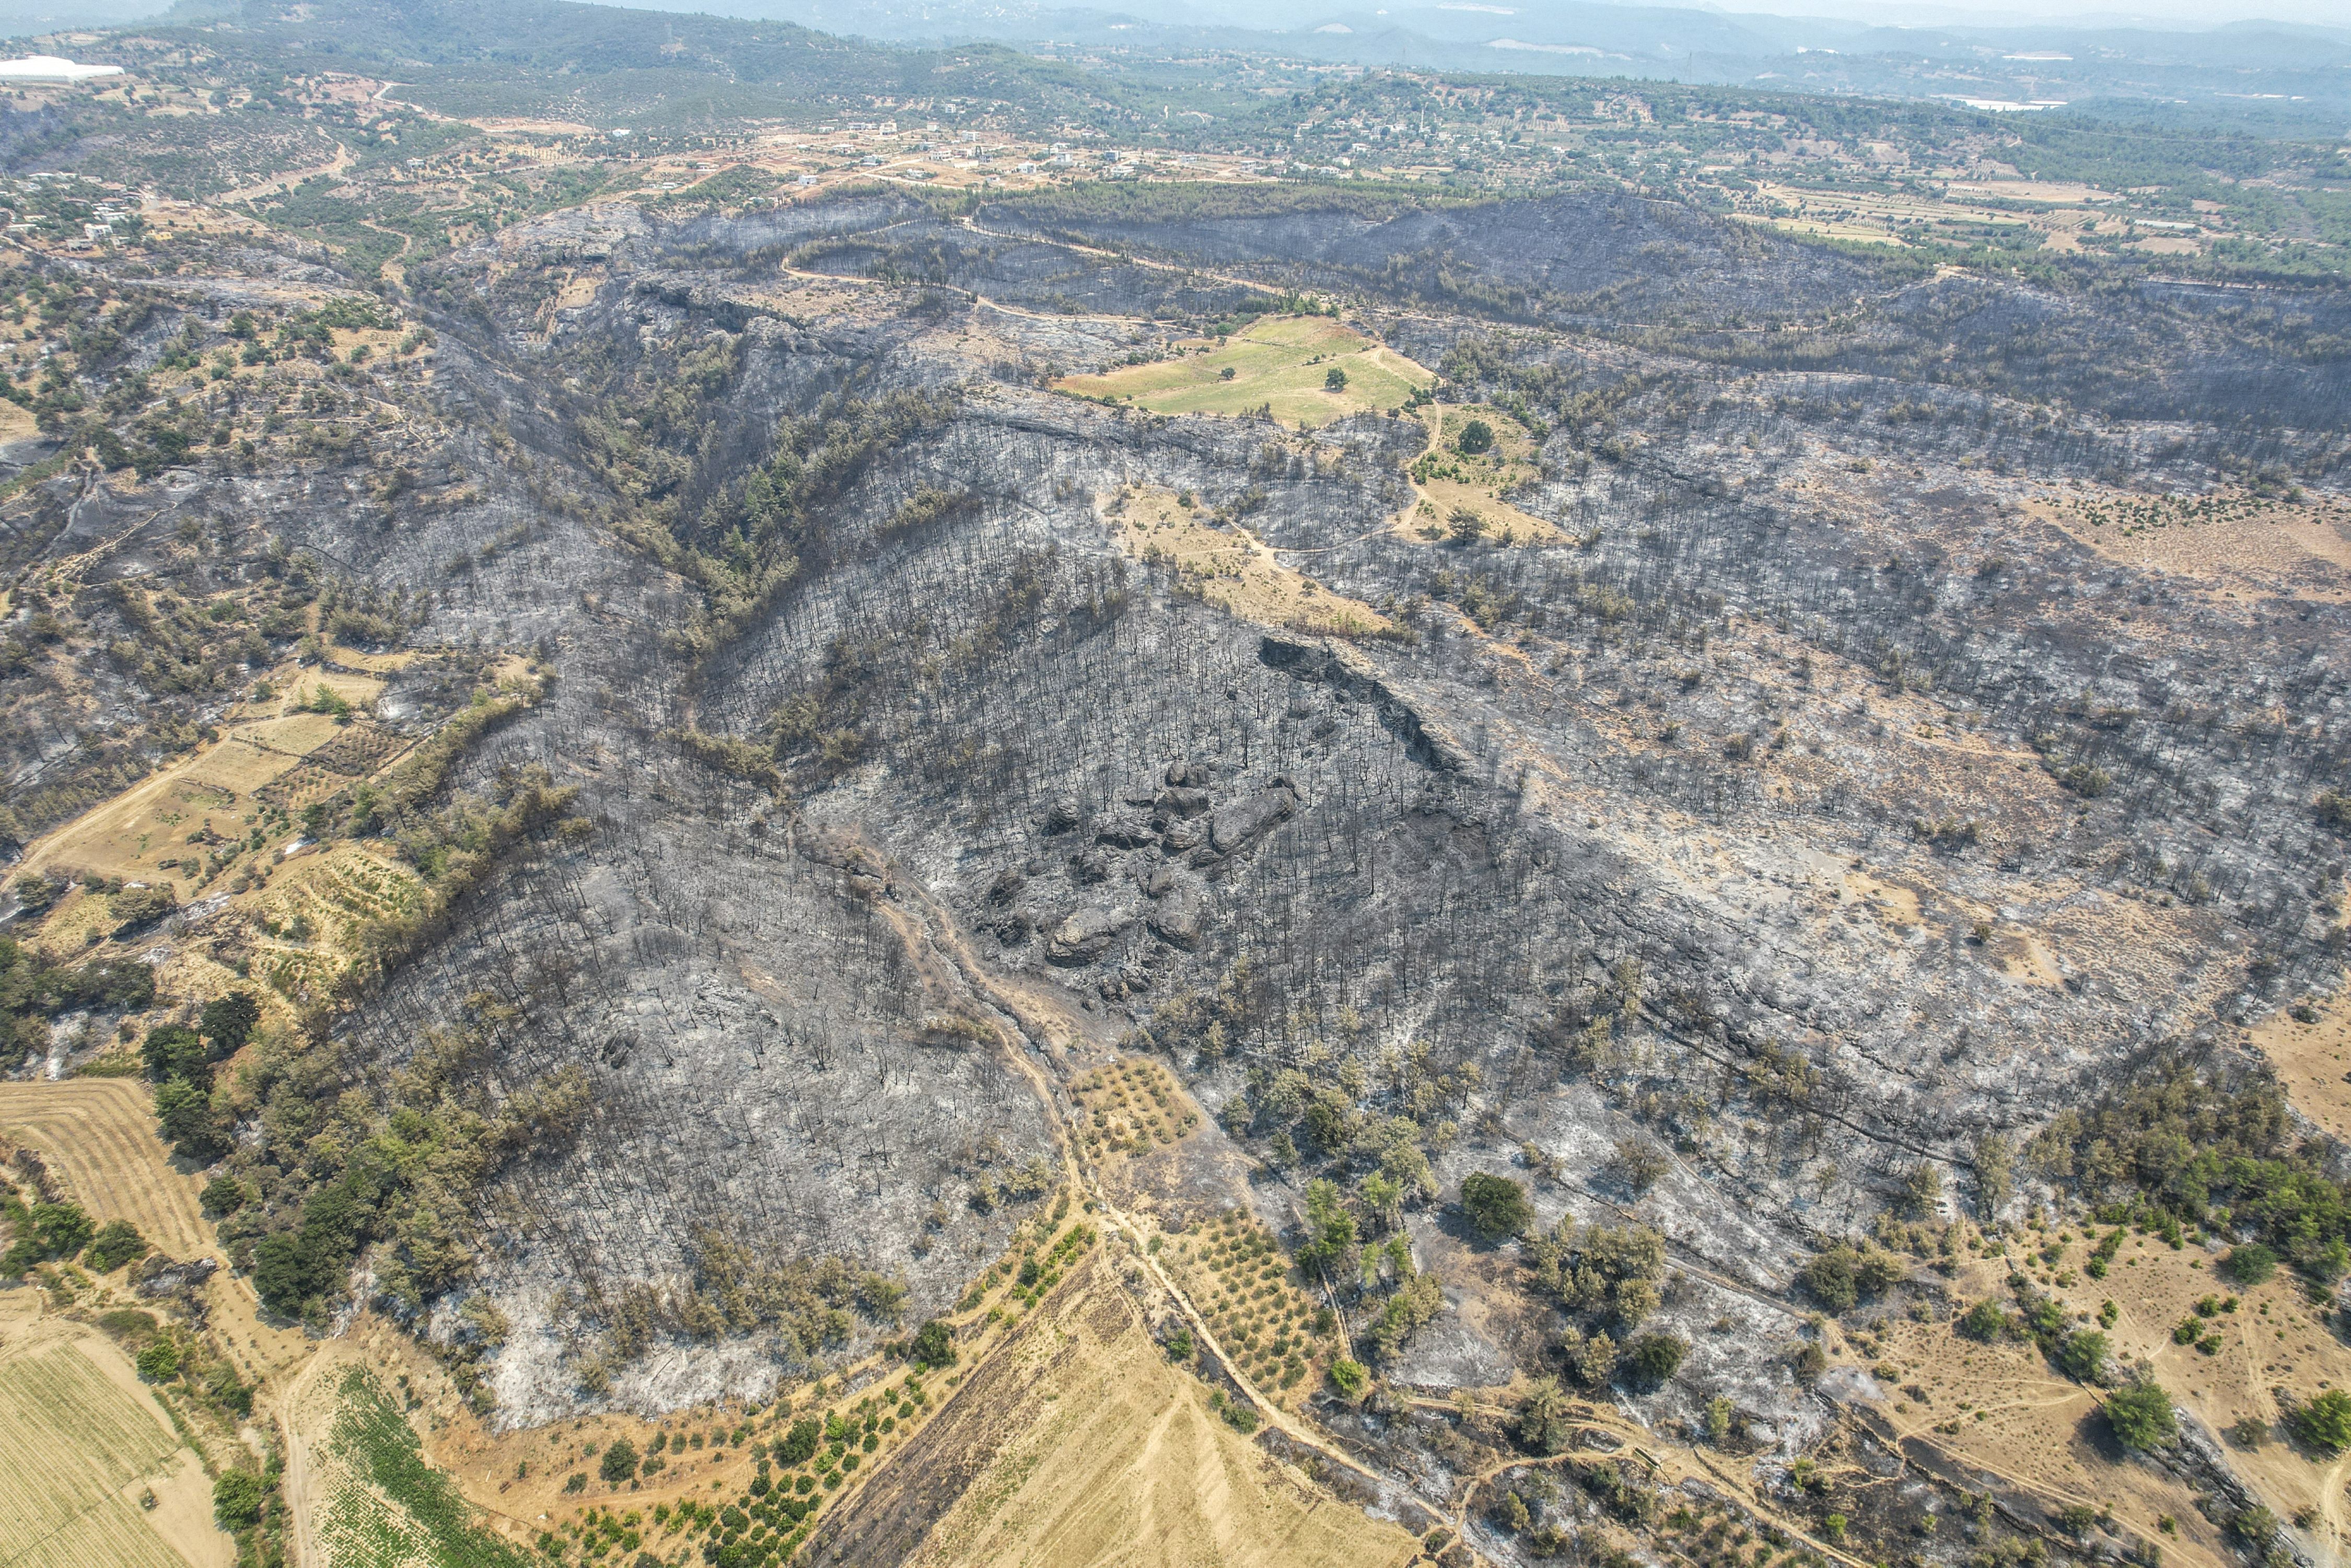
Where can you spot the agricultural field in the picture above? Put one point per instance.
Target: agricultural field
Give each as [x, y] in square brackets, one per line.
[1224, 564]
[91, 1470]
[1282, 363]
[166, 828]
[1257, 1305]
[377, 1503]
[98, 1135]
[1079, 1443]
[1130, 1107]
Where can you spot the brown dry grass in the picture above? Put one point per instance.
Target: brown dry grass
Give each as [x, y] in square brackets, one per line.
[2258, 550]
[1087, 1449]
[2314, 1062]
[2003, 1409]
[1448, 483]
[1232, 568]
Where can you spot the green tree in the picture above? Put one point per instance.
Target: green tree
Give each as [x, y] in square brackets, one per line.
[2249, 1264]
[1477, 436]
[1349, 1377]
[1922, 1191]
[2141, 1416]
[2083, 1353]
[237, 1500]
[188, 1123]
[228, 1021]
[174, 1051]
[1719, 1414]
[1332, 1227]
[1496, 1204]
[2324, 1423]
[800, 1444]
[224, 1194]
[619, 1463]
[279, 1277]
[1654, 1357]
[1334, 380]
[1543, 1423]
[933, 1346]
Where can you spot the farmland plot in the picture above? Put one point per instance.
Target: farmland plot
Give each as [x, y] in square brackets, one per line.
[76, 1450]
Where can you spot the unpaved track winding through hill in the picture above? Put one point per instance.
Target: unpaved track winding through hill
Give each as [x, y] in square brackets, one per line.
[1037, 1015]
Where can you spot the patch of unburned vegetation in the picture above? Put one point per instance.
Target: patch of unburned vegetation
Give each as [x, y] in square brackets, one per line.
[1223, 563]
[1476, 456]
[1305, 371]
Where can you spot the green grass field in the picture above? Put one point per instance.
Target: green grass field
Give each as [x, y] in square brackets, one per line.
[1283, 361]
[71, 1443]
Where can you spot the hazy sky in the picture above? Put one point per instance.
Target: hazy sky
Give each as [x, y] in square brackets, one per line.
[2164, 14]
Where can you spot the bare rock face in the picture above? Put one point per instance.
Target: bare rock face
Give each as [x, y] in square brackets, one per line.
[1239, 825]
[1086, 934]
[1863, 848]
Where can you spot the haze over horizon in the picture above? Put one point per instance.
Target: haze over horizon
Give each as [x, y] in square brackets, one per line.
[23, 17]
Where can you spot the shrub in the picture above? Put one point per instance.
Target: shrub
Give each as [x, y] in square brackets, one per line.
[1845, 1274]
[159, 1361]
[1984, 1322]
[2249, 1264]
[1349, 1377]
[2324, 1423]
[49, 1230]
[237, 1500]
[1496, 1204]
[117, 1242]
[136, 906]
[2141, 1416]
[619, 1463]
